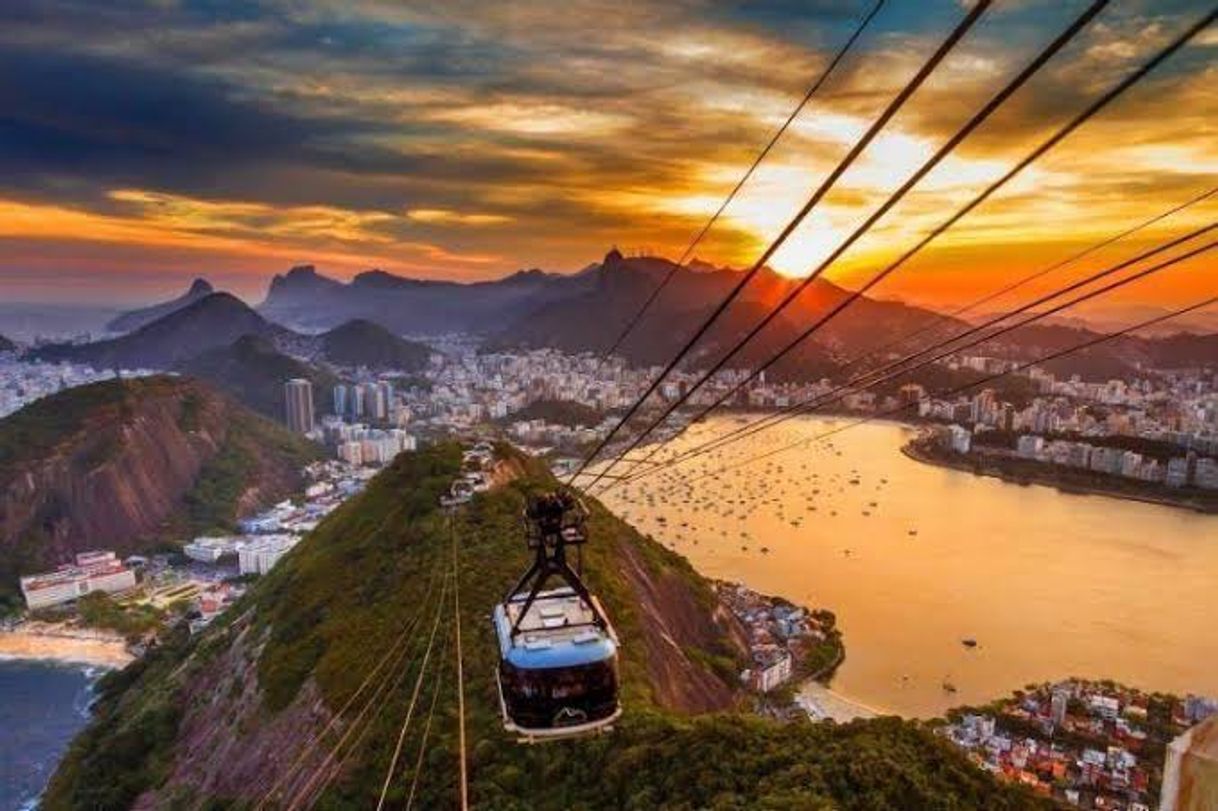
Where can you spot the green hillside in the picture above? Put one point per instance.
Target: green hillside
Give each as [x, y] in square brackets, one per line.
[250, 697]
[560, 412]
[130, 464]
[254, 371]
[363, 343]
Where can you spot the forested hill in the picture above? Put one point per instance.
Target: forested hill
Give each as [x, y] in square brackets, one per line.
[131, 464]
[243, 713]
[253, 370]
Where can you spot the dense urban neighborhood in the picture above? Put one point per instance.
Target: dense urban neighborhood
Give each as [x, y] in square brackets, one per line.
[1087, 744]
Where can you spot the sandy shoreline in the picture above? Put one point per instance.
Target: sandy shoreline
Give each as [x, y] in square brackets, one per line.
[822, 703]
[38, 646]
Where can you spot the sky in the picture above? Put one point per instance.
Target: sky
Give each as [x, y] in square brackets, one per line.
[146, 142]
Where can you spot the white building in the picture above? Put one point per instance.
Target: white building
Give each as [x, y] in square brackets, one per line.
[299, 398]
[1029, 446]
[261, 555]
[774, 674]
[210, 550]
[93, 571]
[960, 439]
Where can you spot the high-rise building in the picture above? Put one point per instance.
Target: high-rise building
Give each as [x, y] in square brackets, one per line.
[389, 395]
[299, 396]
[1059, 706]
[340, 400]
[375, 404]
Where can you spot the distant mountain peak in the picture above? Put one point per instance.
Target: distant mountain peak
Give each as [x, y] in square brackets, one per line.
[701, 266]
[301, 279]
[135, 319]
[530, 275]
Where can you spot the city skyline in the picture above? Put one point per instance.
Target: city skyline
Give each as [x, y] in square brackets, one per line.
[467, 142]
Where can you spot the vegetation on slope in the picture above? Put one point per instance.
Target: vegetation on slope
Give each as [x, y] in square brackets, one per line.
[131, 464]
[129, 745]
[363, 343]
[6, 345]
[254, 371]
[376, 569]
[559, 412]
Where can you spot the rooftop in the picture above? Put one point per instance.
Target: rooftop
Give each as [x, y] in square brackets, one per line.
[558, 631]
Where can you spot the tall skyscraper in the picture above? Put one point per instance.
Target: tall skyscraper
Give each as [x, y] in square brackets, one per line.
[340, 400]
[299, 396]
[376, 401]
[389, 396]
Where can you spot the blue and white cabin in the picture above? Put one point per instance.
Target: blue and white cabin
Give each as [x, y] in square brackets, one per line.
[558, 676]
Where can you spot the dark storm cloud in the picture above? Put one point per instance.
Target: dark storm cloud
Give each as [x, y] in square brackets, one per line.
[119, 121]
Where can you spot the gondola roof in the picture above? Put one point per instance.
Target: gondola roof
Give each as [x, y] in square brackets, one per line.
[558, 631]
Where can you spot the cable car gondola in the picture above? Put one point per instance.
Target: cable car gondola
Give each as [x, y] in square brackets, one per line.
[558, 672]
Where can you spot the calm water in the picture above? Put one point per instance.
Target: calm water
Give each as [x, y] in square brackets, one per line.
[42, 706]
[1049, 584]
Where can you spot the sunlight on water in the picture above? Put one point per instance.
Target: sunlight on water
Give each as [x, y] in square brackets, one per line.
[915, 559]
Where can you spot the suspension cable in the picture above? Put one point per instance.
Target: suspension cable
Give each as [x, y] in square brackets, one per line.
[414, 698]
[1093, 109]
[689, 250]
[394, 649]
[908, 90]
[324, 773]
[431, 711]
[959, 389]
[927, 166]
[463, 767]
[894, 369]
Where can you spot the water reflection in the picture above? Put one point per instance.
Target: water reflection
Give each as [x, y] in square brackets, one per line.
[916, 559]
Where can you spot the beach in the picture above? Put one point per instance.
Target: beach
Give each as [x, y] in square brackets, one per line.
[821, 703]
[57, 644]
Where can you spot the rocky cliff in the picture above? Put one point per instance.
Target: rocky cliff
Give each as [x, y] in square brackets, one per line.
[125, 464]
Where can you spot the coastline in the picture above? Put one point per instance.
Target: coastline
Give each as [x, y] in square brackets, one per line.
[94, 650]
[1048, 478]
[822, 703]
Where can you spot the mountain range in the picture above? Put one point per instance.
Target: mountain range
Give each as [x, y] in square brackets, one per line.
[221, 339]
[587, 312]
[215, 320]
[584, 312]
[305, 299]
